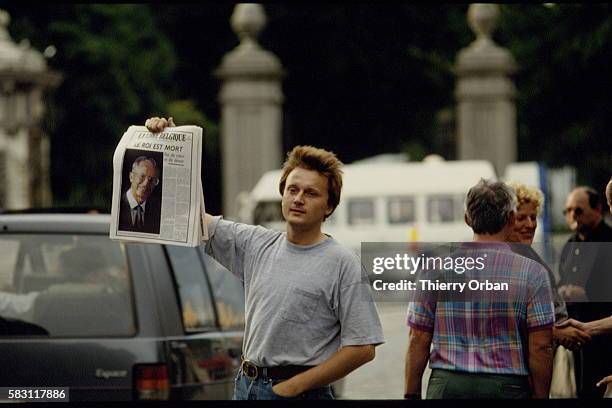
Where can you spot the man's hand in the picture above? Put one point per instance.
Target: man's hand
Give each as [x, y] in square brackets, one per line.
[573, 293]
[344, 361]
[571, 336]
[574, 323]
[593, 328]
[156, 125]
[286, 389]
[605, 381]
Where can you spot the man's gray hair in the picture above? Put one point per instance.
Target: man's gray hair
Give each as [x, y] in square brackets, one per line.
[489, 205]
[140, 159]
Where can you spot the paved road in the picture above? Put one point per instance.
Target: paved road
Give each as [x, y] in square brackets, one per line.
[383, 378]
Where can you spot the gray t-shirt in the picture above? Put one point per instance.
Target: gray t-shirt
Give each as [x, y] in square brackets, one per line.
[302, 302]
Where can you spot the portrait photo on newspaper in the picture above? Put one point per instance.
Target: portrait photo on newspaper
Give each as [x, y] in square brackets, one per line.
[141, 191]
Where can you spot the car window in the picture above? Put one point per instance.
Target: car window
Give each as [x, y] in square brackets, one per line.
[229, 294]
[267, 211]
[441, 209]
[9, 251]
[194, 294]
[401, 210]
[361, 211]
[65, 285]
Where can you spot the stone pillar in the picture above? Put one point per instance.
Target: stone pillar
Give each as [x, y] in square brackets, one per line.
[24, 148]
[251, 108]
[485, 94]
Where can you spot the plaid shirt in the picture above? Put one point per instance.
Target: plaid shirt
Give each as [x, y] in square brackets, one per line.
[488, 333]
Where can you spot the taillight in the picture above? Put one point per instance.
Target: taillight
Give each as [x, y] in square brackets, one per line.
[152, 382]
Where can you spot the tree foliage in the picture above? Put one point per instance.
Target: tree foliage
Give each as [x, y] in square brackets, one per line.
[362, 79]
[117, 70]
[564, 85]
[185, 112]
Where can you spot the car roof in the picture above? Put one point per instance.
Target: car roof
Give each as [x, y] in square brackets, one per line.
[60, 223]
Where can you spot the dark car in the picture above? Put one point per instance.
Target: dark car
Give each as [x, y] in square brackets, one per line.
[114, 321]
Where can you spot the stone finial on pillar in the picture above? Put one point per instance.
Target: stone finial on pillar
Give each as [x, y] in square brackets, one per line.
[482, 19]
[485, 94]
[251, 100]
[247, 21]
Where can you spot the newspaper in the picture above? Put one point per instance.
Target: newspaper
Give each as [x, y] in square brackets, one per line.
[157, 187]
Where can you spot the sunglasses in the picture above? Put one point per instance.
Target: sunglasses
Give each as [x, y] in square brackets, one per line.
[577, 210]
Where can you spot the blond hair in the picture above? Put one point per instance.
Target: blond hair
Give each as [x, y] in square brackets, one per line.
[320, 160]
[528, 195]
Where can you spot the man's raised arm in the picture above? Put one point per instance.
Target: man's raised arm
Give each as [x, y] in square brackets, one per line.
[156, 125]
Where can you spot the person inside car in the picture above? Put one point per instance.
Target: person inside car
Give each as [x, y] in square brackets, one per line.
[80, 266]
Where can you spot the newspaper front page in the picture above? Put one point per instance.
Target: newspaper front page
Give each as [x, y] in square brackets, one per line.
[157, 187]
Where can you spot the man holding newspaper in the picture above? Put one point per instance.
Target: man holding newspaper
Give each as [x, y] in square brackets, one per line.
[157, 187]
[310, 317]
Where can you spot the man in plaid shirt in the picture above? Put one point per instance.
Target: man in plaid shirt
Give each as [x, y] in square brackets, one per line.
[486, 344]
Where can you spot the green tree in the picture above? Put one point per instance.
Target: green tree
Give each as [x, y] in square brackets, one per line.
[117, 70]
[564, 85]
[185, 112]
[362, 79]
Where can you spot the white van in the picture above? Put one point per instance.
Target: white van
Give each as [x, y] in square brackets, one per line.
[385, 202]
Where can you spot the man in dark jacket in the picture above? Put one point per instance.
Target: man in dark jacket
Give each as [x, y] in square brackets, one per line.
[586, 282]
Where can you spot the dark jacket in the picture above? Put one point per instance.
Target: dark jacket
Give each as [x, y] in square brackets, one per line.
[528, 252]
[151, 217]
[588, 263]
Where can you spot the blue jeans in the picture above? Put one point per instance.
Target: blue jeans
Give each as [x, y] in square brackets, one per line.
[260, 389]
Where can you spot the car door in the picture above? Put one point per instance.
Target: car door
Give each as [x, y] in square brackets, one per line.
[200, 355]
[228, 293]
